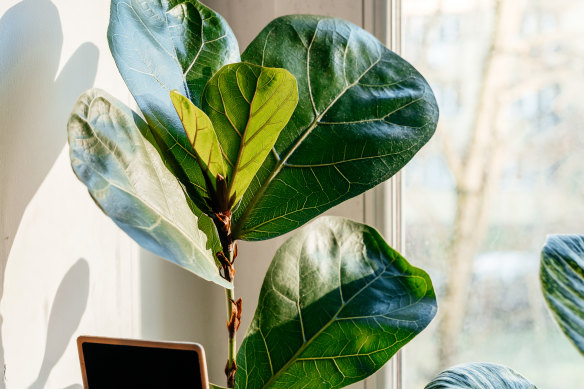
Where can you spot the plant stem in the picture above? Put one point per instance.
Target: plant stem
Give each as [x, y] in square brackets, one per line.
[226, 257]
[231, 339]
[233, 314]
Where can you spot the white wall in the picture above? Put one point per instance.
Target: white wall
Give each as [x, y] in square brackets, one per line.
[65, 268]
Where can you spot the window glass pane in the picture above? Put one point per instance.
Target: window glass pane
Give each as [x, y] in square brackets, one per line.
[505, 169]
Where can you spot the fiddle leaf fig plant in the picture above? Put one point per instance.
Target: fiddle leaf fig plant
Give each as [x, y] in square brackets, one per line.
[315, 111]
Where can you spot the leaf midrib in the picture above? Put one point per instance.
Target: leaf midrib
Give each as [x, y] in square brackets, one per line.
[242, 136]
[183, 74]
[282, 162]
[140, 199]
[305, 345]
[245, 142]
[259, 131]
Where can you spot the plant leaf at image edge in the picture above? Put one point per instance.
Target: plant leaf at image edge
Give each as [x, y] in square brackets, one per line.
[562, 280]
[480, 376]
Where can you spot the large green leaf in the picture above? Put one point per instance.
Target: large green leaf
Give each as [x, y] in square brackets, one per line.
[337, 302]
[249, 106]
[363, 113]
[160, 46]
[479, 376]
[562, 279]
[201, 134]
[128, 180]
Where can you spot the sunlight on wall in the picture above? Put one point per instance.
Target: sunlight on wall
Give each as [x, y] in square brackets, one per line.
[59, 270]
[64, 259]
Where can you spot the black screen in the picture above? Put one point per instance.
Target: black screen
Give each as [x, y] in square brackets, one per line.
[120, 366]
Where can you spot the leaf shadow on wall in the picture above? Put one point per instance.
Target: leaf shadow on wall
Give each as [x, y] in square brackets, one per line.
[35, 98]
[66, 312]
[35, 101]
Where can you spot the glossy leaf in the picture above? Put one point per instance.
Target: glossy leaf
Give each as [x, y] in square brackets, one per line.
[201, 134]
[363, 113]
[562, 279]
[126, 177]
[160, 46]
[249, 106]
[479, 376]
[337, 302]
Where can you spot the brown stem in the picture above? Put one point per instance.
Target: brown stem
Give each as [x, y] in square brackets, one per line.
[226, 258]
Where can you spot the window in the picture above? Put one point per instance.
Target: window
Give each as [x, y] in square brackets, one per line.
[504, 169]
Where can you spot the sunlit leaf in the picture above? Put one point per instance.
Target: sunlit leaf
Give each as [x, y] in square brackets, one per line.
[363, 113]
[249, 106]
[201, 134]
[479, 376]
[562, 280]
[160, 46]
[336, 303]
[128, 180]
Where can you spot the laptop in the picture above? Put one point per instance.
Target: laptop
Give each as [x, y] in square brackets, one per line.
[111, 363]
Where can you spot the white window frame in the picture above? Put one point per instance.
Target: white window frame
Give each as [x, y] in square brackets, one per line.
[383, 206]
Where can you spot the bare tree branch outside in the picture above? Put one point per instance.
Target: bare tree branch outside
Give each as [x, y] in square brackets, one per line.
[505, 169]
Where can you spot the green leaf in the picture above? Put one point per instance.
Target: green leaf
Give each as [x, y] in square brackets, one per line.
[562, 280]
[160, 46]
[213, 386]
[249, 106]
[363, 113]
[337, 302]
[201, 134]
[479, 376]
[129, 182]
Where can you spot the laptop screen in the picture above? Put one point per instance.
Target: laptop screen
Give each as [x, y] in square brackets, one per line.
[110, 366]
